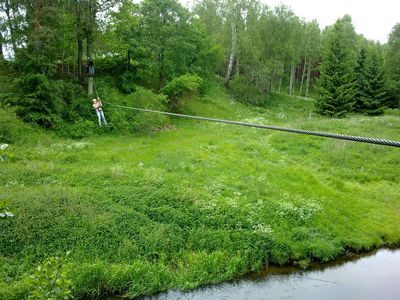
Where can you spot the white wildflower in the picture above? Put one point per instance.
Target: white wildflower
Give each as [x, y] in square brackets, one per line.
[3, 146]
[263, 228]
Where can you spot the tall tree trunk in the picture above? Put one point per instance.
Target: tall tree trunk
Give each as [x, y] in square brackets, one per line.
[280, 78]
[10, 25]
[128, 60]
[302, 76]
[291, 83]
[237, 65]
[78, 15]
[36, 26]
[89, 45]
[79, 59]
[1, 47]
[308, 79]
[161, 69]
[273, 80]
[90, 28]
[232, 53]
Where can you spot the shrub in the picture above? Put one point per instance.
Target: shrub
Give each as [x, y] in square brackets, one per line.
[180, 88]
[79, 129]
[127, 81]
[245, 92]
[50, 280]
[12, 130]
[123, 120]
[39, 99]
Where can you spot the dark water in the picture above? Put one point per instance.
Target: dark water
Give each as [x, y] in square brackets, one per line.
[375, 276]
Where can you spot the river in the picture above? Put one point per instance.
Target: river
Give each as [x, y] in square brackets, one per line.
[372, 276]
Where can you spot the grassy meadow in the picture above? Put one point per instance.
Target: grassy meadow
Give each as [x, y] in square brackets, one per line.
[198, 204]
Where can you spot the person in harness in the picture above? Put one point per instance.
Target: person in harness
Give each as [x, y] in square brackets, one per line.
[100, 114]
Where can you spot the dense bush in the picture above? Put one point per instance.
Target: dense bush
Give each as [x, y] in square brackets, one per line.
[125, 120]
[128, 82]
[39, 99]
[13, 130]
[78, 129]
[182, 88]
[246, 92]
[108, 64]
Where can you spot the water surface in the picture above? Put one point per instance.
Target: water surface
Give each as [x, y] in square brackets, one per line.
[375, 276]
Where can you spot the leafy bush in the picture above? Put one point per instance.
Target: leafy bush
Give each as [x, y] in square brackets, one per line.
[12, 130]
[108, 64]
[76, 104]
[246, 92]
[79, 129]
[123, 120]
[50, 281]
[39, 99]
[182, 87]
[127, 81]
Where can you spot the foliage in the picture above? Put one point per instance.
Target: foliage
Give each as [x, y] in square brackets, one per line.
[4, 153]
[182, 87]
[125, 120]
[246, 92]
[39, 99]
[5, 210]
[128, 80]
[392, 66]
[80, 128]
[371, 86]
[51, 281]
[336, 85]
[12, 130]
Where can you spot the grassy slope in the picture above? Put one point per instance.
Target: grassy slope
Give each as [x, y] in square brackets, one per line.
[201, 204]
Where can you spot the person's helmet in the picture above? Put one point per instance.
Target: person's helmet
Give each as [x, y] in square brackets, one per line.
[94, 100]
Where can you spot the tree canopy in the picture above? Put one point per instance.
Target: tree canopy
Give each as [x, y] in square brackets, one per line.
[255, 48]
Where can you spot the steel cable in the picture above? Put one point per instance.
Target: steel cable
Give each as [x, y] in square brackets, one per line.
[293, 130]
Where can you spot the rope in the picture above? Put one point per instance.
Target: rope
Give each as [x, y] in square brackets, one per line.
[293, 130]
[94, 87]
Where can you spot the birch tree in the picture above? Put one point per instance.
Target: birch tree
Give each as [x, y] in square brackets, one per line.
[233, 16]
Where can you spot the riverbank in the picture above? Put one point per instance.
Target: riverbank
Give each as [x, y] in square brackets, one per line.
[366, 276]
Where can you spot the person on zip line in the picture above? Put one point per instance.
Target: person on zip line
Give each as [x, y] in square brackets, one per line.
[100, 114]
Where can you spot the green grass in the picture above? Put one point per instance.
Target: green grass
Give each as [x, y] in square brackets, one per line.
[201, 204]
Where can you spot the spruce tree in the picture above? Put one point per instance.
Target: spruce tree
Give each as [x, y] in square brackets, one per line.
[370, 82]
[336, 84]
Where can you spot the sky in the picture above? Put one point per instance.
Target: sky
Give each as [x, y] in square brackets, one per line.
[371, 18]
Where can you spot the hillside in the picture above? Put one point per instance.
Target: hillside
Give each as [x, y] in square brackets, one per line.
[197, 204]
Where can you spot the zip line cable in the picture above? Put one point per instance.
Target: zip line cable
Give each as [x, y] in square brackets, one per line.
[94, 86]
[339, 136]
[353, 138]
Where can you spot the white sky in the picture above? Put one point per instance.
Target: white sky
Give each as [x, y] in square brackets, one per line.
[374, 19]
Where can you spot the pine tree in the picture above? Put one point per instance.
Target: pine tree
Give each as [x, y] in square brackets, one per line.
[336, 85]
[370, 83]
